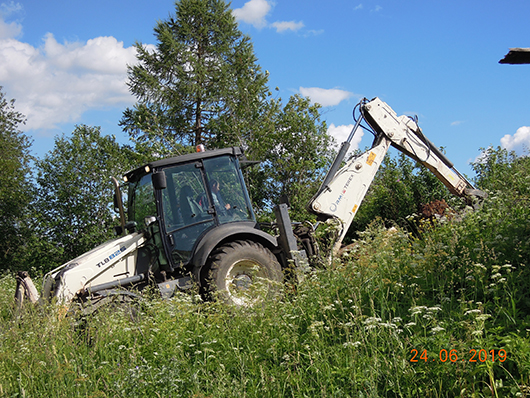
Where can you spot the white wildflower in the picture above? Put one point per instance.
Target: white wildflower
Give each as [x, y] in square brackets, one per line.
[417, 310]
[435, 308]
[437, 329]
[508, 267]
[351, 344]
[372, 320]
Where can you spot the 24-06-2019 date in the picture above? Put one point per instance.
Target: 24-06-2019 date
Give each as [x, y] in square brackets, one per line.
[452, 356]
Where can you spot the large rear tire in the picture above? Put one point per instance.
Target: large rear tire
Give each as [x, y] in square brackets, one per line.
[244, 274]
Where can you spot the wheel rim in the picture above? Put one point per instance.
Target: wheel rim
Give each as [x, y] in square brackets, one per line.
[247, 282]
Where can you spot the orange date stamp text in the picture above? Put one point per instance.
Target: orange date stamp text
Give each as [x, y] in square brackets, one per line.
[473, 356]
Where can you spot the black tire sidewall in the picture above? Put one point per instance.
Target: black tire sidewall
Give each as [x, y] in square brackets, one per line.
[224, 258]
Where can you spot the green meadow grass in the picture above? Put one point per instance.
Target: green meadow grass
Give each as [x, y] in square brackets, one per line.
[444, 313]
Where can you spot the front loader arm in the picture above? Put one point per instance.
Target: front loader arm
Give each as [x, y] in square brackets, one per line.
[344, 188]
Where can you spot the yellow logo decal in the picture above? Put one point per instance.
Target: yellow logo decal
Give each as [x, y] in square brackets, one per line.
[371, 158]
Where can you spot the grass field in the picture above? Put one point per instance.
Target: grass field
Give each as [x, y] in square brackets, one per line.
[444, 313]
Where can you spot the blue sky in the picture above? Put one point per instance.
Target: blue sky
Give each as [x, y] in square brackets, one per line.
[64, 62]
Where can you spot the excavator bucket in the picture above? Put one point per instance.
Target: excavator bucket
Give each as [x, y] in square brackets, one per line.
[25, 289]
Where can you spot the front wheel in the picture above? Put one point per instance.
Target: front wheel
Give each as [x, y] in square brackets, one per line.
[243, 273]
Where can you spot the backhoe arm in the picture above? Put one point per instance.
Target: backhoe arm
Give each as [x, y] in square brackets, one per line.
[344, 188]
[405, 135]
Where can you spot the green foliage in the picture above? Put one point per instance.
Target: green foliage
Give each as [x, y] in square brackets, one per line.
[444, 313]
[202, 84]
[506, 178]
[504, 172]
[400, 188]
[293, 146]
[15, 187]
[73, 209]
[348, 331]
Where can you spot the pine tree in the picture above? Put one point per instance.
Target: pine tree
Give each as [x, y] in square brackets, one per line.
[201, 85]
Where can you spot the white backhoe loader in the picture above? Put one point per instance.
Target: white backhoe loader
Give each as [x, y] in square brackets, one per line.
[179, 232]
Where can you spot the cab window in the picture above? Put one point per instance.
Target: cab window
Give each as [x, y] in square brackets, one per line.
[141, 200]
[228, 191]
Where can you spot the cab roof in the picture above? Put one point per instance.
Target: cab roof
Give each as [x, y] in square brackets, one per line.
[136, 174]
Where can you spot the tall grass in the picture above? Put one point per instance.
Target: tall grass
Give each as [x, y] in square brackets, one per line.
[455, 293]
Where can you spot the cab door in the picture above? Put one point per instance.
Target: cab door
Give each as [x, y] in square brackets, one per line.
[185, 210]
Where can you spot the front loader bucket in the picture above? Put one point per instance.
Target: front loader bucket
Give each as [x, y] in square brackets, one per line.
[25, 289]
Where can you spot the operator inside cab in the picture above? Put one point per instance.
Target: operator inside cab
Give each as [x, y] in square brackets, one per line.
[218, 200]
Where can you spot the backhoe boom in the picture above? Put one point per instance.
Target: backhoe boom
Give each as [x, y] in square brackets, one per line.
[344, 188]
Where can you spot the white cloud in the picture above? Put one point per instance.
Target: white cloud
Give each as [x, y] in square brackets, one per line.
[6, 9]
[11, 29]
[102, 55]
[519, 142]
[253, 12]
[313, 32]
[341, 134]
[57, 83]
[360, 6]
[287, 25]
[325, 97]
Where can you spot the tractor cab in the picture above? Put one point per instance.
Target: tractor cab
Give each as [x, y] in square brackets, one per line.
[186, 198]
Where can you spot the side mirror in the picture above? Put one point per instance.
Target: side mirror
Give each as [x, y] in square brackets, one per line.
[116, 203]
[149, 220]
[159, 180]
